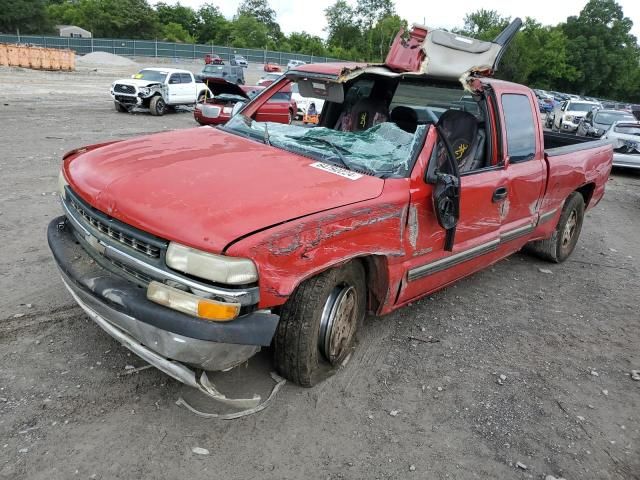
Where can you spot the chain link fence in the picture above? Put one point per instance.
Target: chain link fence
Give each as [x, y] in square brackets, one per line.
[155, 48]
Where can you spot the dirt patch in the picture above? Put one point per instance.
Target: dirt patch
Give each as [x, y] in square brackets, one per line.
[67, 410]
[104, 59]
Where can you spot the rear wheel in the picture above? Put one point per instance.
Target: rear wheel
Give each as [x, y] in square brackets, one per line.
[202, 97]
[157, 106]
[120, 108]
[559, 246]
[318, 324]
[290, 119]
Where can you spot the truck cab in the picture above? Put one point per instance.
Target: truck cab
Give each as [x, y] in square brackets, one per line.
[212, 243]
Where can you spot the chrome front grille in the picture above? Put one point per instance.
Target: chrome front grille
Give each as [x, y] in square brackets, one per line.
[138, 244]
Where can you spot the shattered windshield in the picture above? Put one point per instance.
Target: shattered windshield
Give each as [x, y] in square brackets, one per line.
[150, 75]
[384, 150]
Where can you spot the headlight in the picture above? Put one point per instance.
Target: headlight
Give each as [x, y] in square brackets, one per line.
[62, 182]
[217, 268]
[144, 91]
[568, 118]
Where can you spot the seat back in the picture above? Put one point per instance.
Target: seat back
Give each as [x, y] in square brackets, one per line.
[461, 129]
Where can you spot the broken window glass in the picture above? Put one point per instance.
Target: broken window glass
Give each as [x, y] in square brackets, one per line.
[384, 150]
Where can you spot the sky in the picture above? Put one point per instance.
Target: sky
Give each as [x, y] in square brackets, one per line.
[308, 15]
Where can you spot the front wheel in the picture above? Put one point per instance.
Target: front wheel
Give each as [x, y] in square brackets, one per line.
[559, 246]
[318, 324]
[157, 106]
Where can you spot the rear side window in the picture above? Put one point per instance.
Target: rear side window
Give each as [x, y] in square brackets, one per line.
[519, 123]
[186, 78]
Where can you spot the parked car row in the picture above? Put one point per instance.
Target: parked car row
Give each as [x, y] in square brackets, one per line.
[236, 60]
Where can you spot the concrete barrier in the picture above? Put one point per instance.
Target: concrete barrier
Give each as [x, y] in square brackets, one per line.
[38, 58]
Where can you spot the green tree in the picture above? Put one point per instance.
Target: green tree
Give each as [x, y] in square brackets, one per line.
[602, 50]
[342, 25]
[383, 34]
[302, 42]
[108, 18]
[484, 24]
[28, 16]
[178, 14]
[212, 25]
[174, 32]
[370, 12]
[261, 11]
[247, 32]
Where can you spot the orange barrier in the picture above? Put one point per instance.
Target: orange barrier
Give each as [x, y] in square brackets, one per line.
[38, 58]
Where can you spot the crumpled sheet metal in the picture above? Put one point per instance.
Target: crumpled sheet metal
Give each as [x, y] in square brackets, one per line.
[175, 370]
[249, 411]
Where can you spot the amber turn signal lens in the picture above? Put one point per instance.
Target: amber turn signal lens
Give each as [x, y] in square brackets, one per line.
[190, 304]
[217, 311]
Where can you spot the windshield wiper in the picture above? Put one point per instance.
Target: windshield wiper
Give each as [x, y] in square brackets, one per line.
[336, 149]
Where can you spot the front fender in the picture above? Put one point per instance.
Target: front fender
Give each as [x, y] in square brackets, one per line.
[290, 253]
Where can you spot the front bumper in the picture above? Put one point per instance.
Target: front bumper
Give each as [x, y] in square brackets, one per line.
[210, 114]
[158, 334]
[127, 100]
[569, 127]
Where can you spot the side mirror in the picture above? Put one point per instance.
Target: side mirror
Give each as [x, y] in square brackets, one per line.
[446, 200]
[446, 188]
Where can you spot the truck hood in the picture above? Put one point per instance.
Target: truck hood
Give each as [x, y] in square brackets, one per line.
[205, 188]
[219, 86]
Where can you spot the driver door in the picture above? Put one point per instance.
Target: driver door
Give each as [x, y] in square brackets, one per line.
[477, 233]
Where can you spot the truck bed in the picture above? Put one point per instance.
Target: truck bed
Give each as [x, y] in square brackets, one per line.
[558, 143]
[576, 162]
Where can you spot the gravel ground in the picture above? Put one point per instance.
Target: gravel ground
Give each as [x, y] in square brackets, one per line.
[564, 342]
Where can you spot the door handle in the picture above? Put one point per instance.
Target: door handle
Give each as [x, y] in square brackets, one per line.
[500, 194]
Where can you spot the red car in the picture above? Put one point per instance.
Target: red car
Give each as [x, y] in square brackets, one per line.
[195, 248]
[272, 67]
[217, 110]
[213, 59]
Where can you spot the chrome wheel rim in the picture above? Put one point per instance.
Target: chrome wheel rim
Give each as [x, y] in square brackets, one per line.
[338, 323]
[570, 228]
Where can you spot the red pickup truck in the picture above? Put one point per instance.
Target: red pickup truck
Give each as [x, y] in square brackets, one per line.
[195, 248]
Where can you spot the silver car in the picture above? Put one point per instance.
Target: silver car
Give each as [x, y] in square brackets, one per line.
[597, 122]
[625, 137]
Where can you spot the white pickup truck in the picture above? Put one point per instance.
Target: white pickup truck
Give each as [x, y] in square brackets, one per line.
[158, 89]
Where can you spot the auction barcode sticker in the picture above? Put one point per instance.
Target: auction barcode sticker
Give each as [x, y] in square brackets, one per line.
[343, 172]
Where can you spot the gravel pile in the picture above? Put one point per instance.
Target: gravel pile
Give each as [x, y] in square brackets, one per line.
[104, 59]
